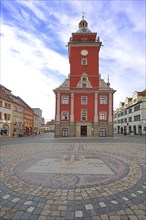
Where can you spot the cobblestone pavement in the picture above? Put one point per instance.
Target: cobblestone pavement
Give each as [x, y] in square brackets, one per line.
[95, 181]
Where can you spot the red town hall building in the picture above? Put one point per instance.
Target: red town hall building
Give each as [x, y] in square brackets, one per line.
[84, 101]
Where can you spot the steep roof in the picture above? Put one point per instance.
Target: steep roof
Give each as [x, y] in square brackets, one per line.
[4, 96]
[24, 104]
[64, 86]
[142, 93]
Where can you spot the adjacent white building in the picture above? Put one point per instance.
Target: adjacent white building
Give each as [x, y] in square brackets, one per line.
[130, 117]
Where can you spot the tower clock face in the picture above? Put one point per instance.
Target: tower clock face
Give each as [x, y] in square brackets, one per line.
[84, 52]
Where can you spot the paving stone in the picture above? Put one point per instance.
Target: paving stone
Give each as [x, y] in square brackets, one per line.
[93, 212]
[132, 217]
[114, 202]
[70, 215]
[18, 215]
[55, 213]
[50, 202]
[114, 217]
[62, 207]
[28, 203]
[26, 216]
[37, 211]
[140, 191]
[62, 214]
[125, 198]
[45, 212]
[60, 218]
[133, 195]
[78, 214]
[96, 218]
[15, 199]
[124, 217]
[34, 217]
[140, 212]
[42, 217]
[40, 205]
[122, 198]
[8, 215]
[102, 204]
[6, 197]
[30, 209]
[129, 211]
[104, 217]
[89, 207]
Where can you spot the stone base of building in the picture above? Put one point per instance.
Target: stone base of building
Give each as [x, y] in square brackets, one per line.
[80, 129]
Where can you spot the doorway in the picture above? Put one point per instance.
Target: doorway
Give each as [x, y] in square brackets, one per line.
[83, 130]
[64, 132]
[102, 132]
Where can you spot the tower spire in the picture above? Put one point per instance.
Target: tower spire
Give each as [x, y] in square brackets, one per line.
[108, 82]
[83, 13]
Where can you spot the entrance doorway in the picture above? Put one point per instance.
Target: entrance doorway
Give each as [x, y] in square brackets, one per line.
[102, 132]
[83, 130]
[64, 132]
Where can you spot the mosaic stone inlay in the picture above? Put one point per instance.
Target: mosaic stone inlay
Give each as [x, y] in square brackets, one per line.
[71, 170]
[71, 165]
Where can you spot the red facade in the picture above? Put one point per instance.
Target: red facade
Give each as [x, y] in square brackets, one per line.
[84, 102]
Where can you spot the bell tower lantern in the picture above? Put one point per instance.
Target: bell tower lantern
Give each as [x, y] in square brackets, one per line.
[83, 23]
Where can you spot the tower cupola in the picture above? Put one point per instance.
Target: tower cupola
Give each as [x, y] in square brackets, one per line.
[83, 26]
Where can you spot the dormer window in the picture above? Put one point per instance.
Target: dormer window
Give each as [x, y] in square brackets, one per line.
[84, 85]
[84, 81]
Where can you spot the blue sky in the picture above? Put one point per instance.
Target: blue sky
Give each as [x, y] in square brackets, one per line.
[34, 56]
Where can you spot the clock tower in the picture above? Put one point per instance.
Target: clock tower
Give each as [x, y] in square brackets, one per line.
[84, 55]
[84, 101]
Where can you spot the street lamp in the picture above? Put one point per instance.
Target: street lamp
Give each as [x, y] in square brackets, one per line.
[92, 131]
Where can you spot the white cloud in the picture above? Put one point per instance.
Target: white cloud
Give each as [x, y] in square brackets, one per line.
[22, 66]
[30, 48]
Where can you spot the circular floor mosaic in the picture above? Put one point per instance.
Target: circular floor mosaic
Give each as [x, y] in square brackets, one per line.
[71, 170]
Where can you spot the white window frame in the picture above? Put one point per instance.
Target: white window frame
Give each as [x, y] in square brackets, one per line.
[84, 100]
[84, 61]
[103, 116]
[83, 115]
[64, 115]
[65, 100]
[103, 100]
